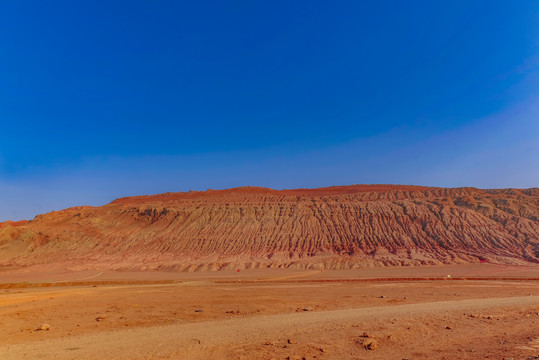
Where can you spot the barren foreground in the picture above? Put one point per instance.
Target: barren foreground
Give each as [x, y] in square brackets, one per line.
[385, 313]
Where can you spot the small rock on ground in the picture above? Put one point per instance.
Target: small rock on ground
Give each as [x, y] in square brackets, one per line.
[370, 344]
[44, 327]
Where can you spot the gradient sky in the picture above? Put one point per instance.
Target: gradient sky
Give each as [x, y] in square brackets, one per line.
[102, 99]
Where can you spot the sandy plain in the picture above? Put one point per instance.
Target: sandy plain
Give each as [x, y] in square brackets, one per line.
[482, 311]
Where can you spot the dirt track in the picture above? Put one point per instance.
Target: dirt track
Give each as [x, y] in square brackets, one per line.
[324, 315]
[211, 339]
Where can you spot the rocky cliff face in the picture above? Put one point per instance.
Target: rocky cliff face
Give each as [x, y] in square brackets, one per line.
[336, 227]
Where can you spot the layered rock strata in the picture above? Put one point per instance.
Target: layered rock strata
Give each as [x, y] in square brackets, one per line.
[335, 227]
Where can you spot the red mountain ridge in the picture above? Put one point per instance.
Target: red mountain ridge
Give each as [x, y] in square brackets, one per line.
[336, 227]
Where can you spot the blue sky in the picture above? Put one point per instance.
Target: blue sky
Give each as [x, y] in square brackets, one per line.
[102, 99]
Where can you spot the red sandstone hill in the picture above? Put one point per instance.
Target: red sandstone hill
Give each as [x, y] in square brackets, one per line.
[335, 227]
[13, 223]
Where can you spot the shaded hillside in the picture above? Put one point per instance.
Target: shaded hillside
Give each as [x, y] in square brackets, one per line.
[336, 227]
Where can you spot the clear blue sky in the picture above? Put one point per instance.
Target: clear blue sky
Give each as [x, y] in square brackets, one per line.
[102, 99]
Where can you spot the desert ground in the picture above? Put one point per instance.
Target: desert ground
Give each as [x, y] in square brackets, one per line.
[479, 311]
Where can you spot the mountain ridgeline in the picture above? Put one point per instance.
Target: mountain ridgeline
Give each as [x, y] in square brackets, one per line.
[328, 228]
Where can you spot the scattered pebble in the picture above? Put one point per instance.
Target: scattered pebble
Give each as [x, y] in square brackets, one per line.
[290, 341]
[370, 344]
[100, 318]
[44, 327]
[198, 310]
[449, 328]
[308, 308]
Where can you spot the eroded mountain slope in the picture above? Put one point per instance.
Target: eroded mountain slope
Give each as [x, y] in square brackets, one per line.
[336, 227]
